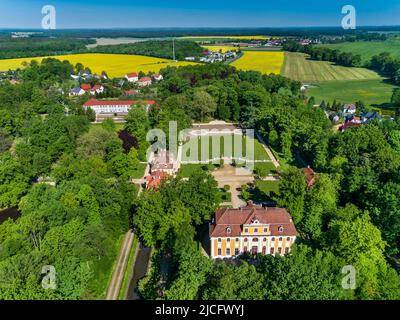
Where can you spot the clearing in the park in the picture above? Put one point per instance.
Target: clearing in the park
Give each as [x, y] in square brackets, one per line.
[298, 67]
[116, 65]
[263, 61]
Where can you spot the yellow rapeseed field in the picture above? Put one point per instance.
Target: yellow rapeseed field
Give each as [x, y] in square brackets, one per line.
[116, 65]
[264, 61]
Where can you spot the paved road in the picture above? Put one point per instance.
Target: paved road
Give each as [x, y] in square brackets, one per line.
[119, 271]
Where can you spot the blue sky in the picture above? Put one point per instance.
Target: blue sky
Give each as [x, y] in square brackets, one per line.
[196, 13]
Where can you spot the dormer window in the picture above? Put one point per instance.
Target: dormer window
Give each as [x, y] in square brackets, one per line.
[280, 229]
[228, 230]
[255, 221]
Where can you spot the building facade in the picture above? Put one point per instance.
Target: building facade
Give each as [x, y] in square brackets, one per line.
[251, 229]
[114, 106]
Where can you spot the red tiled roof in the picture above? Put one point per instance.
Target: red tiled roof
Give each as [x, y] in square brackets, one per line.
[144, 79]
[155, 179]
[132, 75]
[236, 218]
[349, 125]
[97, 86]
[86, 86]
[95, 102]
[310, 176]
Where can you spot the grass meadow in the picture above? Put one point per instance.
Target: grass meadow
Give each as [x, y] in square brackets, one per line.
[298, 67]
[375, 93]
[367, 49]
[116, 65]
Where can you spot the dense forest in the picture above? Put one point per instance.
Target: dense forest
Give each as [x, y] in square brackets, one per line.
[155, 48]
[35, 47]
[69, 181]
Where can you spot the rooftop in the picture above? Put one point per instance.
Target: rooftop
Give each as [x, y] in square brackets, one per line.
[229, 222]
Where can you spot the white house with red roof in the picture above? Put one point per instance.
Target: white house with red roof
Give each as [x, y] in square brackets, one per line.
[115, 106]
[97, 88]
[158, 77]
[76, 92]
[144, 82]
[132, 77]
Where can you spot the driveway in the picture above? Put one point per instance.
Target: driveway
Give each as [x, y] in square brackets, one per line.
[227, 175]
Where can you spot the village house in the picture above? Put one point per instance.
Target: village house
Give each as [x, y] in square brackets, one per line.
[86, 86]
[76, 92]
[96, 89]
[164, 161]
[115, 106]
[370, 116]
[158, 77]
[144, 82]
[348, 125]
[132, 77]
[253, 229]
[349, 109]
[153, 181]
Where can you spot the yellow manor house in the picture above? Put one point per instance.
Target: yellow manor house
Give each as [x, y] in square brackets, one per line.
[251, 229]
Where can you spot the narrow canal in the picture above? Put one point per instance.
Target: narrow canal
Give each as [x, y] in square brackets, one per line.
[11, 213]
[139, 271]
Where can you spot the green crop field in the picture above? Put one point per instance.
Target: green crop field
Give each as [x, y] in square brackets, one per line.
[298, 67]
[374, 93]
[367, 49]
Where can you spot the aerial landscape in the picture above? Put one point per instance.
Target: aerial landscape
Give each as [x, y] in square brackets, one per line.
[191, 159]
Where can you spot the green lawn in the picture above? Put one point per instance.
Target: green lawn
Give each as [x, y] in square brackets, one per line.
[375, 93]
[187, 169]
[139, 171]
[367, 49]
[102, 272]
[220, 146]
[268, 187]
[264, 191]
[226, 196]
[298, 67]
[264, 168]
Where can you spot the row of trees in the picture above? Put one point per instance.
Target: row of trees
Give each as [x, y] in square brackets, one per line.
[154, 48]
[347, 59]
[38, 47]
